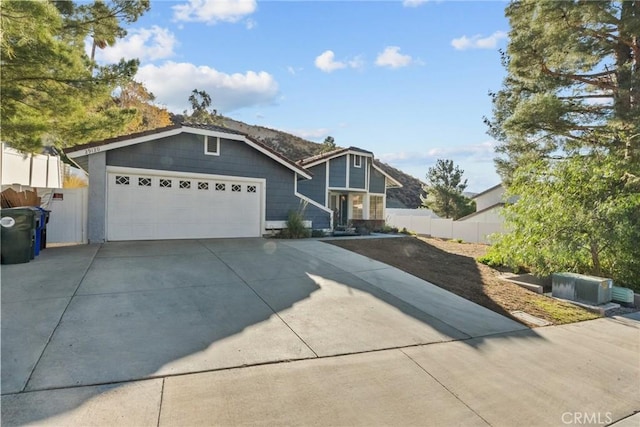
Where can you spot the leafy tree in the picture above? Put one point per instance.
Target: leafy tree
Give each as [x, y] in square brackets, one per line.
[329, 144]
[148, 115]
[51, 90]
[568, 124]
[200, 102]
[444, 191]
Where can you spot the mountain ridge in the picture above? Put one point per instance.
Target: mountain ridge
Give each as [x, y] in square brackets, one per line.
[297, 148]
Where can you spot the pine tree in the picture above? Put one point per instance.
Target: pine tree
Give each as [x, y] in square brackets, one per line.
[52, 92]
[444, 191]
[568, 124]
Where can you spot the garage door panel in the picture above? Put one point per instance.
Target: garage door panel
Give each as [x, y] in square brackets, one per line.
[147, 207]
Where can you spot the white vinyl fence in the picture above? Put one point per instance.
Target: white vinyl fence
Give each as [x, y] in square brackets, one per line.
[421, 222]
[68, 220]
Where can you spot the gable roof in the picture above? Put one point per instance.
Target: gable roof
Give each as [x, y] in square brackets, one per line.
[193, 128]
[319, 158]
[482, 193]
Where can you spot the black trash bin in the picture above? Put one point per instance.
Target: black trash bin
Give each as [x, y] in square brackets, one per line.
[18, 234]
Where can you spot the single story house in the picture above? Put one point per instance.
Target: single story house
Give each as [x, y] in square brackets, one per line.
[489, 205]
[205, 181]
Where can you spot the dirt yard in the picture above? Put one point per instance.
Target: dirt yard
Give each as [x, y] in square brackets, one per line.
[452, 266]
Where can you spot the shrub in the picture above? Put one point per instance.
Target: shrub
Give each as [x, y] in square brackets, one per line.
[295, 227]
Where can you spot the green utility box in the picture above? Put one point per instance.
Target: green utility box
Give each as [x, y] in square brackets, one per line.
[18, 231]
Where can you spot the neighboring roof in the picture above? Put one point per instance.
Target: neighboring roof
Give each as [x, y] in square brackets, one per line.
[486, 191]
[314, 160]
[205, 129]
[497, 205]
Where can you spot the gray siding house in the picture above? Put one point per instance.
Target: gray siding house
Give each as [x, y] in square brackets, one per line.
[204, 181]
[348, 182]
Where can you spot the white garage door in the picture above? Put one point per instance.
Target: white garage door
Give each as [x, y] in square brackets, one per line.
[149, 206]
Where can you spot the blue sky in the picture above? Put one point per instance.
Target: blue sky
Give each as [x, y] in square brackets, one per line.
[407, 80]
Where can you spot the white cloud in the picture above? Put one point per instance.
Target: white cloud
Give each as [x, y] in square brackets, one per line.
[146, 44]
[316, 134]
[172, 83]
[326, 62]
[213, 11]
[391, 57]
[294, 70]
[481, 152]
[250, 24]
[478, 42]
[413, 3]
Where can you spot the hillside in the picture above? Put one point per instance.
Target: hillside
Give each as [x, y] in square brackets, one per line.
[296, 148]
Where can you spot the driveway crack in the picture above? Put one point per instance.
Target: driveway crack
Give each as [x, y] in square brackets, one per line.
[446, 388]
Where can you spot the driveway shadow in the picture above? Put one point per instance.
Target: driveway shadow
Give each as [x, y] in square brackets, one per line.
[148, 310]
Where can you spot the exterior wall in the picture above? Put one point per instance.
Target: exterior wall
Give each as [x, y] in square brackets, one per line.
[357, 175]
[492, 215]
[338, 172]
[320, 219]
[490, 198]
[185, 153]
[316, 188]
[96, 217]
[377, 182]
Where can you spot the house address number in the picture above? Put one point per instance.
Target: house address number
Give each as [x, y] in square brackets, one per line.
[92, 150]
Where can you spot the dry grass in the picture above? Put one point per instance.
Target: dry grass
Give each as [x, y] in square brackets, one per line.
[453, 266]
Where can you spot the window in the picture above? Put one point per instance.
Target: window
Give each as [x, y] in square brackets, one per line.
[203, 186]
[165, 183]
[220, 186]
[236, 188]
[144, 182]
[356, 206]
[122, 180]
[376, 207]
[251, 188]
[185, 184]
[211, 145]
[357, 161]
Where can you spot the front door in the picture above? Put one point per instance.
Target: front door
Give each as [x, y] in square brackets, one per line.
[340, 207]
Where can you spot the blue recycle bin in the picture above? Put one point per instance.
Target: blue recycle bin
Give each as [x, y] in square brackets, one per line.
[40, 219]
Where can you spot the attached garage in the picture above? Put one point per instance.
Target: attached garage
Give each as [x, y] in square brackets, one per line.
[190, 182]
[151, 205]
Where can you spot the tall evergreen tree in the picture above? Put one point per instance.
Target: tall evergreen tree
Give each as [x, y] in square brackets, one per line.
[201, 112]
[52, 92]
[568, 124]
[444, 191]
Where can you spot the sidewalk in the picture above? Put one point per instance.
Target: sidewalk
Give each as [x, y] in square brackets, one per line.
[585, 373]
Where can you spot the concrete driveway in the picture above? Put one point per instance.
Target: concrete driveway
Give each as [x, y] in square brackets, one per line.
[130, 327]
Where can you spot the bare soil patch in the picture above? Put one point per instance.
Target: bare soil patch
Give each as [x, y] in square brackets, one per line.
[452, 266]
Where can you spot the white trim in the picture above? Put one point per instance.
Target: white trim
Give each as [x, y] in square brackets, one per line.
[359, 164]
[342, 153]
[346, 179]
[206, 146]
[301, 171]
[367, 174]
[172, 132]
[307, 199]
[343, 189]
[387, 175]
[120, 144]
[277, 225]
[155, 172]
[178, 174]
